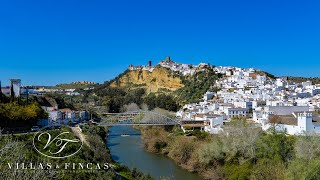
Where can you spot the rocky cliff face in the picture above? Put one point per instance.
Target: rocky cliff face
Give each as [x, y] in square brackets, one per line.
[160, 79]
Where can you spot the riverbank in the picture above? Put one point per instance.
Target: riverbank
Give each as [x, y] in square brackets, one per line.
[182, 149]
[97, 137]
[129, 151]
[241, 151]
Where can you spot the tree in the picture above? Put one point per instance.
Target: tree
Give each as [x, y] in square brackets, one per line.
[276, 146]
[12, 95]
[308, 147]
[150, 100]
[166, 102]
[269, 169]
[13, 114]
[131, 107]
[239, 141]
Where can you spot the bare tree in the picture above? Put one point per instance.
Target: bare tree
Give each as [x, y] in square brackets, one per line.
[131, 107]
[144, 107]
[240, 138]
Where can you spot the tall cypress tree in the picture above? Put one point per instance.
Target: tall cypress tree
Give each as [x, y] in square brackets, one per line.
[12, 94]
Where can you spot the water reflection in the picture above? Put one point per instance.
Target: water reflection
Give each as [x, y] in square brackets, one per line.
[129, 151]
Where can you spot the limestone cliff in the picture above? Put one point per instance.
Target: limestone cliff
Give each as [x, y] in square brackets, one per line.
[160, 79]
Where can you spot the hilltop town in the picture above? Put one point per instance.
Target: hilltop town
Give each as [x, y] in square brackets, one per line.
[251, 94]
[184, 69]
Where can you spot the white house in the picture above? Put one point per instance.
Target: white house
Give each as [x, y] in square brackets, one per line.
[55, 115]
[299, 123]
[214, 126]
[235, 112]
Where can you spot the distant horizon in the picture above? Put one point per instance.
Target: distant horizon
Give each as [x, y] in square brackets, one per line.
[7, 82]
[53, 42]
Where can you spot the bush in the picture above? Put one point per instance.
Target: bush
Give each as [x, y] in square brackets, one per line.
[155, 139]
[182, 149]
[199, 134]
[211, 153]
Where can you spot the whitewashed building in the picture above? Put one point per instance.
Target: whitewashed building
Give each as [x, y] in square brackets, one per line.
[299, 123]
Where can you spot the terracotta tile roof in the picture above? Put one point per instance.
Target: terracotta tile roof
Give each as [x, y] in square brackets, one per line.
[66, 110]
[285, 119]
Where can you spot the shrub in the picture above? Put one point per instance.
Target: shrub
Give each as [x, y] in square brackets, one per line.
[182, 149]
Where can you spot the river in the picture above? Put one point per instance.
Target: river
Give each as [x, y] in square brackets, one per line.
[129, 151]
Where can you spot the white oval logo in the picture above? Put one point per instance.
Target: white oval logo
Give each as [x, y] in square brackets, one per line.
[56, 143]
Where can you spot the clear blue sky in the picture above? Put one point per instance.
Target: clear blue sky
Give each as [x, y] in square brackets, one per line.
[54, 41]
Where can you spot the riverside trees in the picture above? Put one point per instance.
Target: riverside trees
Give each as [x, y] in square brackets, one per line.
[240, 152]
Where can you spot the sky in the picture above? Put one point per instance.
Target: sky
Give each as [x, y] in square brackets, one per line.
[48, 42]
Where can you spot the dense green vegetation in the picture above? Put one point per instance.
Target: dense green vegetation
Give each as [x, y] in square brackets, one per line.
[197, 85]
[163, 101]
[15, 115]
[20, 112]
[116, 99]
[241, 152]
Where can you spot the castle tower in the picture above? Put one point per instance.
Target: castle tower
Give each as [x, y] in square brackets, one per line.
[15, 87]
[149, 63]
[130, 67]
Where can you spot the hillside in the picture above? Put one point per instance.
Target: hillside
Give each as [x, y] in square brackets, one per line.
[167, 85]
[183, 81]
[159, 80]
[75, 85]
[314, 80]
